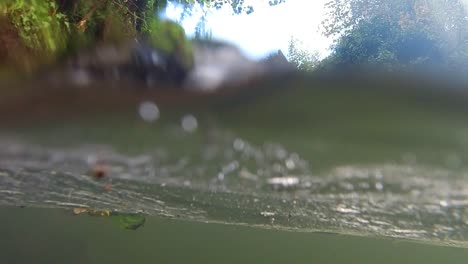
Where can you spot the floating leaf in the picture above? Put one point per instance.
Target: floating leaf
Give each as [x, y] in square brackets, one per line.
[131, 221]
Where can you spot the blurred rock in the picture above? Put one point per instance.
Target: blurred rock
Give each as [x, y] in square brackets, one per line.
[221, 64]
[216, 64]
[134, 61]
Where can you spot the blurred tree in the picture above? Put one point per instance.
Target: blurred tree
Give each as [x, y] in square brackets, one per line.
[303, 59]
[41, 31]
[201, 32]
[397, 33]
[236, 7]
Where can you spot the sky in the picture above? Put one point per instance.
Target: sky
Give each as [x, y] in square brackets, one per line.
[267, 29]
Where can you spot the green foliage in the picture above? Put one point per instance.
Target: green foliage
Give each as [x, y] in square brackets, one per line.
[170, 38]
[101, 21]
[150, 10]
[51, 28]
[39, 23]
[399, 33]
[303, 60]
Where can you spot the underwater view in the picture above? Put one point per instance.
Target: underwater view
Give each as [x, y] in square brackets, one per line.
[124, 139]
[304, 164]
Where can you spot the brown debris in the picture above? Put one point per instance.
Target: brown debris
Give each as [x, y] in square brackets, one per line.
[91, 212]
[99, 171]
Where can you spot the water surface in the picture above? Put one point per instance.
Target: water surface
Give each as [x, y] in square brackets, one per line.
[379, 159]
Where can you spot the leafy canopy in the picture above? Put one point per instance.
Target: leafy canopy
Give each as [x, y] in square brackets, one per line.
[398, 33]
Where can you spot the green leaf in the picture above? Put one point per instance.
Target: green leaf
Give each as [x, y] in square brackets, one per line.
[131, 221]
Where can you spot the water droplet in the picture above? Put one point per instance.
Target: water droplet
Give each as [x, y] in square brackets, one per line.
[444, 203]
[379, 186]
[232, 166]
[189, 123]
[346, 210]
[267, 214]
[281, 153]
[290, 164]
[148, 111]
[283, 182]
[238, 144]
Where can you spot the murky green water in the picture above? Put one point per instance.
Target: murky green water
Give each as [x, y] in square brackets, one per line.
[375, 163]
[51, 236]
